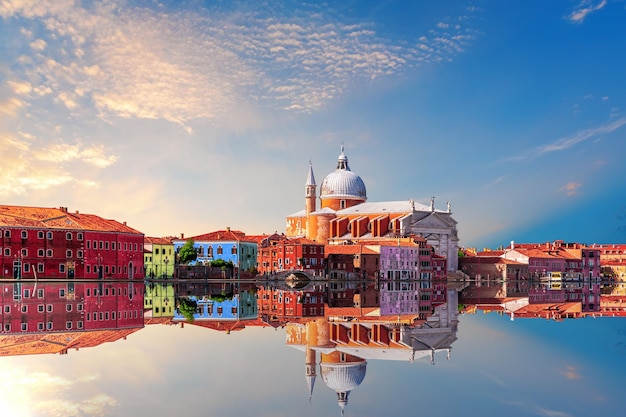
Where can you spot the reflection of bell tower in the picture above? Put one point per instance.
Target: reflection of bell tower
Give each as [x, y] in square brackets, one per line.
[311, 369]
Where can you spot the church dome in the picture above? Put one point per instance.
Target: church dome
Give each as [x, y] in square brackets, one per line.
[343, 183]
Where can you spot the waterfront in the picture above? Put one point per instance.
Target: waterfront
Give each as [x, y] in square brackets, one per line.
[572, 367]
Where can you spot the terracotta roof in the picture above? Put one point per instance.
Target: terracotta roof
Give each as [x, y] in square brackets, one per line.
[157, 240]
[222, 236]
[58, 218]
[348, 250]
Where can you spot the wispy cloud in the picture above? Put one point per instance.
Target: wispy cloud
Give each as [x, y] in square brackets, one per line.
[570, 372]
[571, 188]
[569, 141]
[583, 135]
[584, 8]
[180, 66]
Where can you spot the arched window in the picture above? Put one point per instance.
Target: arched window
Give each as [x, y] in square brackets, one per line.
[219, 250]
[210, 251]
[233, 251]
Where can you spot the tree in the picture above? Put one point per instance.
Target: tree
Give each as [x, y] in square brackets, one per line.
[187, 252]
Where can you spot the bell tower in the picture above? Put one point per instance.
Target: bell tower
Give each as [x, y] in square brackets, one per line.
[311, 192]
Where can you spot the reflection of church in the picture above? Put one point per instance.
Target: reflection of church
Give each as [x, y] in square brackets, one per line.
[346, 216]
[344, 347]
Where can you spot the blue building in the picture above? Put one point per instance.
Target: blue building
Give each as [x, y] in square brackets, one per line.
[227, 245]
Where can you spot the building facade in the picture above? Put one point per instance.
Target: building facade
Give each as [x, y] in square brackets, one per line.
[227, 245]
[39, 242]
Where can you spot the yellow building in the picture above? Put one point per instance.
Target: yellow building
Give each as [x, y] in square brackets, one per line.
[158, 257]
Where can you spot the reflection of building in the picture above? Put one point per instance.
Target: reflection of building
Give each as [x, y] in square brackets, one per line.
[159, 299]
[42, 317]
[228, 307]
[346, 216]
[342, 348]
[39, 242]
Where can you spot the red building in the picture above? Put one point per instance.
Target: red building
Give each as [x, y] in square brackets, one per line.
[278, 253]
[39, 242]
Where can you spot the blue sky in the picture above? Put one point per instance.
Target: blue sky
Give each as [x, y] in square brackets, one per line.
[187, 117]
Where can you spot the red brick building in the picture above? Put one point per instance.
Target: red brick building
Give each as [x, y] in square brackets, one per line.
[38, 242]
[278, 253]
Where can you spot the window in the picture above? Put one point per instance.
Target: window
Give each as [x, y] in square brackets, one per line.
[68, 307]
[79, 254]
[68, 253]
[40, 326]
[135, 247]
[233, 251]
[7, 327]
[112, 245]
[62, 268]
[24, 252]
[26, 267]
[24, 234]
[25, 308]
[89, 244]
[49, 308]
[62, 292]
[79, 324]
[219, 250]
[106, 245]
[79, 307]
[49, 325]
[49, 253]
[89, 269]
[210, 251]
[40, 308]
[24, 327]
[40, 235]
[68, 325]
[156, 251]
[49, 235]
[40, 268]
[7, 233]
[68, 236]
[40, 293]
[7, 252]
[41, 253]
[101, 245]
[26, 293]
[79, 236]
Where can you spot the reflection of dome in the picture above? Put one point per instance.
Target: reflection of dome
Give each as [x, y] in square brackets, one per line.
[342, 377]
[343, 183]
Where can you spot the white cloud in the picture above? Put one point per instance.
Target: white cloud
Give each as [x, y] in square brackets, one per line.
[568, 142]
[584, 8]
[181, 66]
[571, 188]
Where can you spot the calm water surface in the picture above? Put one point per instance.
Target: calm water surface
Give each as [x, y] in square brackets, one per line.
[425, 358]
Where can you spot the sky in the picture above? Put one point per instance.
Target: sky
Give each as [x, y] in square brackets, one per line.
[193, 116]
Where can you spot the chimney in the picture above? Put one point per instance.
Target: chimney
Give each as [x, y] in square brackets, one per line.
[512, 245]
[182, 235]
[228, 228]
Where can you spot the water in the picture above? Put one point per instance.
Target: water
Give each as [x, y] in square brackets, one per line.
[448, 361]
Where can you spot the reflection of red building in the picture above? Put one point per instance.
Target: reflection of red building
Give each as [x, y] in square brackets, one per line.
[35, 313]
[281, 303]
[41, 242]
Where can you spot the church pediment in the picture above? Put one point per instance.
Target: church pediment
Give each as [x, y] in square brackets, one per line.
[434, 220]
